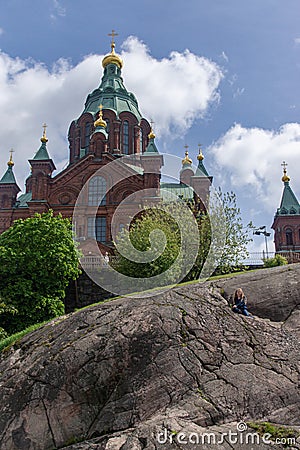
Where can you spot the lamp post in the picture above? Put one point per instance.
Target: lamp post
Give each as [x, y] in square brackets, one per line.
[263, 230]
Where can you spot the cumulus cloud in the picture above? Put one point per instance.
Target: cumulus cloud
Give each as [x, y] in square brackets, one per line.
[297, 40]
[250, 161]
[173, 91]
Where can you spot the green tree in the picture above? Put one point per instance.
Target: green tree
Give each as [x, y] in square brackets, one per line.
[237, 237]
[38, 258]
[220, 234]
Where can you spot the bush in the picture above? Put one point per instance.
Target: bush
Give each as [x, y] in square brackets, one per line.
[278, 260]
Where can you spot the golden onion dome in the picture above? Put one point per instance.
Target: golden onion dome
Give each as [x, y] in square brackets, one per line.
[187, 160]
[200, 157]
[285, 177]
[44, 138]
[10, 162]
[100, 122]
[112, 58]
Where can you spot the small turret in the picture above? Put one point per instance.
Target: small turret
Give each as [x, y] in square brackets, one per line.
[8, 186]
[186, 172]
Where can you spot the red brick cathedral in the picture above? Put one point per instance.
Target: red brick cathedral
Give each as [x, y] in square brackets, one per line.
[109, 127]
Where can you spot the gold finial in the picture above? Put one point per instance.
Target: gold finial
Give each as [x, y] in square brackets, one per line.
[113, 34]
[200, 156]
[112, 57]
[285, 177]
[100, 122]
[10, 162]
[151, 135]
[186, 160]
[44, 137]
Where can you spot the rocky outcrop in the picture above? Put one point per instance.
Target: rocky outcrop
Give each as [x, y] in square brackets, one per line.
[272, 293]
[134, 373]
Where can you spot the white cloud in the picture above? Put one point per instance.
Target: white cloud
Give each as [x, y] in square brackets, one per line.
[1, 31]
[175, 91]
[250, 161]
[58, 10]
[297, 40]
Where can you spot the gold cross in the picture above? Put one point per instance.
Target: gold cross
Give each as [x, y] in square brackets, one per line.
[284, 164]
[113, 34]
[199, 145]
[11, 151]
[186, 147]
[44, 126]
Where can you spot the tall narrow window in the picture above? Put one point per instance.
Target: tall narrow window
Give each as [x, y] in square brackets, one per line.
[97, 228]
[97, 190]
[289, 237]
[141, 140]
[107, 125]
[87, 132]
[125, 137]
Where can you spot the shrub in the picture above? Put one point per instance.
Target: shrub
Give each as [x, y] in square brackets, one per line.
[277, 260]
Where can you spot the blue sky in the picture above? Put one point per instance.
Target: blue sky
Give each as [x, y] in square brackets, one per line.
[236, 89]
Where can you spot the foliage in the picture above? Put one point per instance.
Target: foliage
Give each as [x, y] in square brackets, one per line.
[140, 238]
[277, 260]
[221, 228]
[276, 431]
[38, 257]
[237, 236]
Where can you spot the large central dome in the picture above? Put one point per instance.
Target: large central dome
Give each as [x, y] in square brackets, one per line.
[112, 93]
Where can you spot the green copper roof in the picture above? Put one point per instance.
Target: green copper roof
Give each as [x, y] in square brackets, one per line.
[151, 148]
[168, 190]
[42, 153]
[8, 177]
[23, 199]
[289, 203]
[112, 94]
[201, 171]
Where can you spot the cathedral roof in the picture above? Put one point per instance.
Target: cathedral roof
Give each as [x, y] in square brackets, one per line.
[289, 203]
[42, 153]
[9, 177]
[112, 93]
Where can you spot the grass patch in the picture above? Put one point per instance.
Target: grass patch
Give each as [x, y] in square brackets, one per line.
[8, 342]
[286, 435]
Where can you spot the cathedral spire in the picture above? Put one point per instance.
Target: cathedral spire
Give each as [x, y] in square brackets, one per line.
[112, 57]
[186, 162]
[285, 177]
[9, 177]
[100, 122]
[42, 153]
[201, 170]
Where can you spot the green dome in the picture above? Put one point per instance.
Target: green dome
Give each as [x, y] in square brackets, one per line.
[112, 94]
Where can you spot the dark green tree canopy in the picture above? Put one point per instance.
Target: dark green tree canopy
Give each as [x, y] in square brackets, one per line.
[38, 258]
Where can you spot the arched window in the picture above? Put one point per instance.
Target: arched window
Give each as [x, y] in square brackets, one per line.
[97, 191]
[125, 137]
[289, 236]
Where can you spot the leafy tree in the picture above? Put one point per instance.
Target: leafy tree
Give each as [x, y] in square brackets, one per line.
[161, 244]
[38, 257]
[236, 235]
[219, 233]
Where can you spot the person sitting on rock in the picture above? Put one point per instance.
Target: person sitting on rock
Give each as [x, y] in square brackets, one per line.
[240, 303]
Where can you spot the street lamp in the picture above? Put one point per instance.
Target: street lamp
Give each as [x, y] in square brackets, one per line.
[263, 230]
